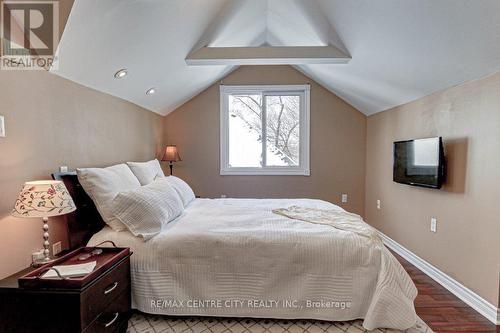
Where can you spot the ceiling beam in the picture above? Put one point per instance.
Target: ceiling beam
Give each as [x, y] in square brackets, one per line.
[267, 55]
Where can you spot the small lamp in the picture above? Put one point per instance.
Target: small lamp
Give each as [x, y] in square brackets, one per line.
[171, 155]
[44, 199]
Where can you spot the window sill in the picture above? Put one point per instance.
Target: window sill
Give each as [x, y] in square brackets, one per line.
[264, 172]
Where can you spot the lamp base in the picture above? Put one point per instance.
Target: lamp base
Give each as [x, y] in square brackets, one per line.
[46, 253]
[42, 262]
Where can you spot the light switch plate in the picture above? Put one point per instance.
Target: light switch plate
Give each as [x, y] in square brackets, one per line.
[56, 248]
[433, 224]
[63, 168]
[2, 127]
[379, 204]
[344, 198]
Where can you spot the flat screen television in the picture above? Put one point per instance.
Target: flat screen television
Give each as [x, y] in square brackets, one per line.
[419, 162]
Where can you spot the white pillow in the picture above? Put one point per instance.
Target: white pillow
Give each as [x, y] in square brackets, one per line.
[103, 184]
[145, 209]
[146, 172]
[183, 189]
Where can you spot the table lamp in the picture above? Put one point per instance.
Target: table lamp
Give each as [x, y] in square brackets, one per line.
[44, 199]
[171, 155]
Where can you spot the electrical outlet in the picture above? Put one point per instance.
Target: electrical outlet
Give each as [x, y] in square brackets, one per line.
[344, 198]
[433, 224]
[379, 204]
[63, 168]
[56, 248]
[2, 127]
[223, 196]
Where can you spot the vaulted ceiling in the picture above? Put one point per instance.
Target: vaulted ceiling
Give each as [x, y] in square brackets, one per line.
[401, 50]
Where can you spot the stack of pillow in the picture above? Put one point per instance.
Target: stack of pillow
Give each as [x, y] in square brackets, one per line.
[136, 196]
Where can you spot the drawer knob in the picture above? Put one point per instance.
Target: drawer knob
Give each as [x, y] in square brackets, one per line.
[115, 317]
[110, 288]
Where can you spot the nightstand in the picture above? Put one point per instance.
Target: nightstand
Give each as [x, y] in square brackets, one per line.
[103, 305]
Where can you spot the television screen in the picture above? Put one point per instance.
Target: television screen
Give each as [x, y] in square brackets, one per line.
[419, 162]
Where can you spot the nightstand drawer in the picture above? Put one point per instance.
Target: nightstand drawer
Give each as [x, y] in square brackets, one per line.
[96, 298]
[114, 317]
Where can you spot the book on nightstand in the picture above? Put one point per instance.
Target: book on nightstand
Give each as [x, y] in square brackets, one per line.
[66, 271]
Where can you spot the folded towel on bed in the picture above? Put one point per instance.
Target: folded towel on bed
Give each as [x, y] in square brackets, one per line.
[335, 218]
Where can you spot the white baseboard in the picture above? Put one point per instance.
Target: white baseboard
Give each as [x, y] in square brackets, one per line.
[485, 308]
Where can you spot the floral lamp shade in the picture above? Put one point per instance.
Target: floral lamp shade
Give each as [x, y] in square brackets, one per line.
[44, 198]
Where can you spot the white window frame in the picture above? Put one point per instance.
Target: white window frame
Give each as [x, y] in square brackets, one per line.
[303, 168]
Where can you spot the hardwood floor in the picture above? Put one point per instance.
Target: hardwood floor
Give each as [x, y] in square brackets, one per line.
[441, 310]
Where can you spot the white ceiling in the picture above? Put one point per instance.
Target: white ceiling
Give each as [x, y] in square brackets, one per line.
[401, 49]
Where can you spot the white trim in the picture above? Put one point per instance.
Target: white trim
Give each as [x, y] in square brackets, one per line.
[304, 164]
[269, 171]
[485, 308]
[267, 55]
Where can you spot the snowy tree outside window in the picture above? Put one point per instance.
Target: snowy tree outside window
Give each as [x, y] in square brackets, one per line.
[265, 130]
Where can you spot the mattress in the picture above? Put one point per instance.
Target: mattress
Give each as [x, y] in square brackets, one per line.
[236, 258]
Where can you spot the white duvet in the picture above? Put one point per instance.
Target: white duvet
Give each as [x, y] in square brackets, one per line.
[235, 257]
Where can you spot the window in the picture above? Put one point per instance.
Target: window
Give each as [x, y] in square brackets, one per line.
[264, 130]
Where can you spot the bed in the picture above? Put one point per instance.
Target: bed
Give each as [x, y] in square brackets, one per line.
[236, 258]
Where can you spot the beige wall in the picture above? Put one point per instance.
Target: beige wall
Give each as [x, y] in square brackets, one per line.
[51, 122]
[467, 243]
[337, 145]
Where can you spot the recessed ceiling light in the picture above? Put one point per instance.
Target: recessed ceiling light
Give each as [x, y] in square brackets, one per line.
[150, 91]
[121, 73]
